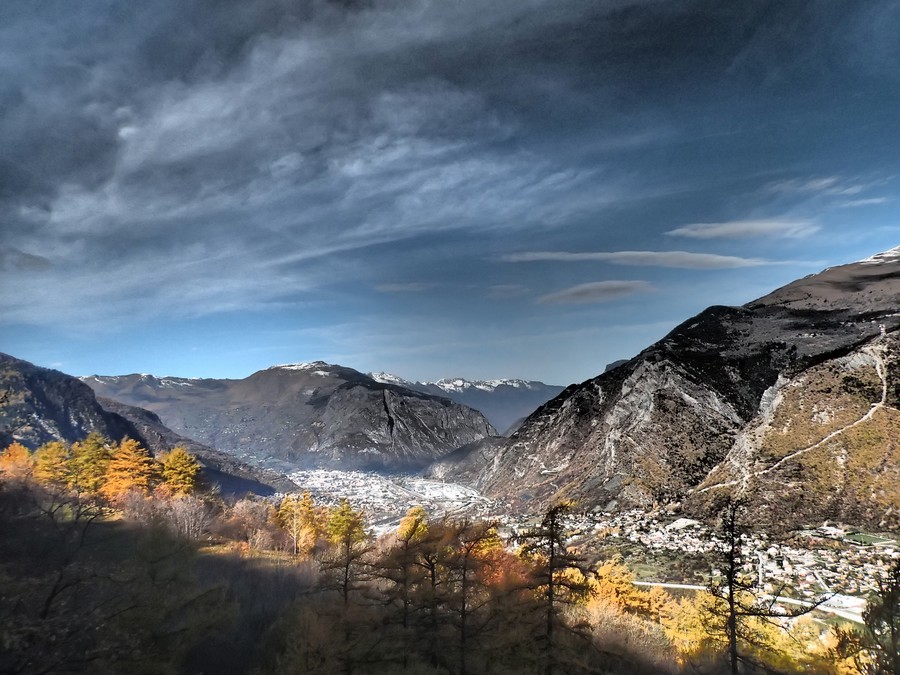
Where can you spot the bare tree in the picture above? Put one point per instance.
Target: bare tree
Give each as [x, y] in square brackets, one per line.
[740, 606]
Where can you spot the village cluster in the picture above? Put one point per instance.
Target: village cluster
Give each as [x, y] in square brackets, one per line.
[827, 560]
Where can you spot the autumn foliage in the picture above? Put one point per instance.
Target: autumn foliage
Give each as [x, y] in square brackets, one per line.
[292, 584]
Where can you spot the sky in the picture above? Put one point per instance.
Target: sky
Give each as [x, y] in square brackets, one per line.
[432, 188]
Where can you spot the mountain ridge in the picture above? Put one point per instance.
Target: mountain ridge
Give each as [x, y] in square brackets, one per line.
[39, 405]
[652, 430]
[309, 414]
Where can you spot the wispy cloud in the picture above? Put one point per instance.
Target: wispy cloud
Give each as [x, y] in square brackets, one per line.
[739, 229]
[872, 201]
[596, 291]
[675, 259]
[823, 185]
[814, 184]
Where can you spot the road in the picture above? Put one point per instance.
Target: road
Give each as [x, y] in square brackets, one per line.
[837, 611]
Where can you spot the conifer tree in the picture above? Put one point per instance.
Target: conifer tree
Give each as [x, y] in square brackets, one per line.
[129, 469]
[16, 462]
[738, 613]
[301, 519]
[557, 575]
[88, 463]
[51, 464]
[180, 471]
[346, 532]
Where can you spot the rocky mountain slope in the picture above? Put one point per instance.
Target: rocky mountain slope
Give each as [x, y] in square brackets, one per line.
[505, 403]
[791, 400]
[38, 405]
[310, 414]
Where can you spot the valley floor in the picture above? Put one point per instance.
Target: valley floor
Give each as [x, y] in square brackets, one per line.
[661, 547]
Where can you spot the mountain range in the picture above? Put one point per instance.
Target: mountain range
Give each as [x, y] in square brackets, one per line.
[38, 405]
[790, 401]
[309, 414]
[505, 403]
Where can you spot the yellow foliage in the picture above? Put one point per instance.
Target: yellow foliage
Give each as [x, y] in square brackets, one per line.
[130, 469]
[180, 470]
[16, 462]
[613, 585]
[414, 525]
[302, 520]
[51, 464]
[87, 464]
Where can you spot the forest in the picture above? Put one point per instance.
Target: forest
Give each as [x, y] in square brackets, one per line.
[112, 559]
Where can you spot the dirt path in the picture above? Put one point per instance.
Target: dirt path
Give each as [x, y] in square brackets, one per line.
[875, 351]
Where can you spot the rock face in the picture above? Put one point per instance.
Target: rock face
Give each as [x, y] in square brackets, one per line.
[309, 414]
[38, 405]
[726, 403]
[505, 403]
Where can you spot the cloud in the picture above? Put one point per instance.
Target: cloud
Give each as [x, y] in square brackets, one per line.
[738, 229]
[596, 291]
[675, 259]
[806, 185]
[872, 201]
[824, 185]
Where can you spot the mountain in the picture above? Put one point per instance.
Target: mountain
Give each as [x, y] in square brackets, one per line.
[38, 405]
[506, 403]
[309, 414]
[790, 400]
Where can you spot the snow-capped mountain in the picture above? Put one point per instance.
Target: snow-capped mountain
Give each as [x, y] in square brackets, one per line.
[312, 414]
[505, 402]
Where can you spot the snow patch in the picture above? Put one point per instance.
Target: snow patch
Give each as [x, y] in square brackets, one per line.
[389, 378]
[889, 256]
[315, 366]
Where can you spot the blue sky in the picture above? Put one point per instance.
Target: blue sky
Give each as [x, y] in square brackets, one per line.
[520, 188]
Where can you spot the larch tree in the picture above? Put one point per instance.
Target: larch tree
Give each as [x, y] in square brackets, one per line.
[738, 613]
[347, 534]
[557, 575]
[130, 469]
[468, 570]
[301, 520]
[88, 463]
[51, 464]
[180, 471]
[16, 462]
[875, 647]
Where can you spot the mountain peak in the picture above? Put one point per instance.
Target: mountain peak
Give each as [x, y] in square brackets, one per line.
[389, 378]
[315, 366]
[889, 256]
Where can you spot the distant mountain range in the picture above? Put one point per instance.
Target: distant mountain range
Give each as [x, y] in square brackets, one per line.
[309, 414]
[38, 405]
[790, 401]
[506, 403]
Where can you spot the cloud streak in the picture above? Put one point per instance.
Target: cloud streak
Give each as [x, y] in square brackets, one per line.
[742, 229]
[595, 292]
[673, 259]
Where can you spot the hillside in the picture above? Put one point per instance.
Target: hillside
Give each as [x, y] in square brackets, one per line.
[38, 405]
[785, 399]
[310, 414]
